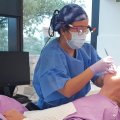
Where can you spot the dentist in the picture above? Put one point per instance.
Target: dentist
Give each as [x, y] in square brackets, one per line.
[67, 64]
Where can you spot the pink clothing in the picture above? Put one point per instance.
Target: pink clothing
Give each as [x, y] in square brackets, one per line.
[7, 103]
[95, 107]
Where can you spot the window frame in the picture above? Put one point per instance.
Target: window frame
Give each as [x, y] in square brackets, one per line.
[95, 21]
[14, 12]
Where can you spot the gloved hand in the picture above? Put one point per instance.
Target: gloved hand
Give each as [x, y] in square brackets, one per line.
[104, 65]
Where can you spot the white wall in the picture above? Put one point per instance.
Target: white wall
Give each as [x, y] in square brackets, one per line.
[109, 29]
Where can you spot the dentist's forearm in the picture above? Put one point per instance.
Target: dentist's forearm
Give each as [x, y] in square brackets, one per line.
[75, 84]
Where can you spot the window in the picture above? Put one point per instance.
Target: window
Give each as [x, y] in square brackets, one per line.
[11, 25]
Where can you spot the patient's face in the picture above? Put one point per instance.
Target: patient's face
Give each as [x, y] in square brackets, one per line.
[111, 87]
[112, 81]
[112, 78]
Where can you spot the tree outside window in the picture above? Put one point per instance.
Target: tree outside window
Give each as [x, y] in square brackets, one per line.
[3, 33]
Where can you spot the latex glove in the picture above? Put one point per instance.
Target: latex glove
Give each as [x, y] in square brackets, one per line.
[103, 65]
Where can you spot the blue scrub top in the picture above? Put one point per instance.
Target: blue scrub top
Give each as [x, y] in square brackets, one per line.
[55, 67]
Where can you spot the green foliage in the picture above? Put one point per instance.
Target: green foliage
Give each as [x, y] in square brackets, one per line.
[3, 34]
[33, 45]
[3, 21]
[3, 40]
[35, 11]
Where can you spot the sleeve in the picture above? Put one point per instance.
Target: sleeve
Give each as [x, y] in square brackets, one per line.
[50, 73]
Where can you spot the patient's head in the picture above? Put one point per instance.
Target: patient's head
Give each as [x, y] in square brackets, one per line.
[111, 87]
[112, 80]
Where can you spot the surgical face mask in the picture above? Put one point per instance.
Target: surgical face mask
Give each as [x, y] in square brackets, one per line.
[77, 40]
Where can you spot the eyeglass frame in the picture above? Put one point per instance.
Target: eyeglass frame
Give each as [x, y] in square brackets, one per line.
[77, 28]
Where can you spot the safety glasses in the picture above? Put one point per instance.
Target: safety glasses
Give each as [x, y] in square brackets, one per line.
[82, 29]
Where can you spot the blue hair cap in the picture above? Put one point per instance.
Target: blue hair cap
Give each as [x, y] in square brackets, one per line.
[67, 15]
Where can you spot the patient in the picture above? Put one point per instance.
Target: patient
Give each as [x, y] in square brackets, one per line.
[102, 106]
